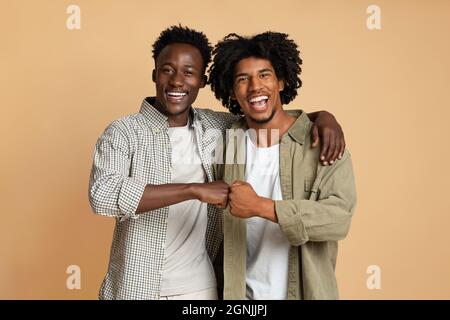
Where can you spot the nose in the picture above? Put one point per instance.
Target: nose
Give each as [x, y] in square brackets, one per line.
[177, 79]
[255, 84]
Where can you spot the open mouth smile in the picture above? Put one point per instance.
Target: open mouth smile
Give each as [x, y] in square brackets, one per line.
[258, 103]
[175, 96]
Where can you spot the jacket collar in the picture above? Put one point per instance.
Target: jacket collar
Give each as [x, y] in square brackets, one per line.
[300, 128]
[297, 131]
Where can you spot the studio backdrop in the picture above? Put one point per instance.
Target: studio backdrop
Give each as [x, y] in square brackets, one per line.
[69, 68]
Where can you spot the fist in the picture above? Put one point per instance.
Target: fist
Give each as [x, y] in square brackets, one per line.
[215, 193]
[243, 200]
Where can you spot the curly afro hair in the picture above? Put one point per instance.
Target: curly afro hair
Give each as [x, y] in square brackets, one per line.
[273, 46]
[180, 34]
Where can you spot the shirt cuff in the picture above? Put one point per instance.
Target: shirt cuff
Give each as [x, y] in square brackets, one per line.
[129, 198]
[290, 220]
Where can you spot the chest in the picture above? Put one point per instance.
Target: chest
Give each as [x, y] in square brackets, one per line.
[155, 153]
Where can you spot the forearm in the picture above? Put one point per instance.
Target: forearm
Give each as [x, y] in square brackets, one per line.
[159, 196]
[266, 209]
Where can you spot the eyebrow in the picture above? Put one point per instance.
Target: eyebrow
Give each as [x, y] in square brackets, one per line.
[259, 71]
[185, 66]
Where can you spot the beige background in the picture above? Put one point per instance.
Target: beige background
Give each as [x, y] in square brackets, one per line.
[388, 88]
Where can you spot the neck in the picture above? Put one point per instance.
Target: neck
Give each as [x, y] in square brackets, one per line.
[179, 120]
[270, 133]
[175, 120]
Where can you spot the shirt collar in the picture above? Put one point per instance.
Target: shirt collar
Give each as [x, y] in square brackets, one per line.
[157, 120]
[300, 127]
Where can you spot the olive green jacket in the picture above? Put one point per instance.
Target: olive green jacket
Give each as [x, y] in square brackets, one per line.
[316, 211]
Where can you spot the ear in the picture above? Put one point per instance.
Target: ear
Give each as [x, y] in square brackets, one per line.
[203, 81]
[154, 75]
[281, 85]
[232, 95]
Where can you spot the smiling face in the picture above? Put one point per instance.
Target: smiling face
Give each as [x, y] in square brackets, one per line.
[257, 89]
[178, 76]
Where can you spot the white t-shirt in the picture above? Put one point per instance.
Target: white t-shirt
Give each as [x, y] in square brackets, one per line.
[187, 267]
[267, 247]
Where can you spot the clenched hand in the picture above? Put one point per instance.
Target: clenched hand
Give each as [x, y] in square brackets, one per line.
[245, 203]
[215, 193]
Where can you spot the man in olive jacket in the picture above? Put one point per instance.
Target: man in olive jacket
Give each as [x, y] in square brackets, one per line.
[286, 210]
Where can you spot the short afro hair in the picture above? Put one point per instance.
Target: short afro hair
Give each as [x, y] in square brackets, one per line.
[276, 47]
[180, 34]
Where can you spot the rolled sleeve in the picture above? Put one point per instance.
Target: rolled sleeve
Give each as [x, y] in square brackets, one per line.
[290, 221]
[112, 192]
[129, 197]
[326, 216]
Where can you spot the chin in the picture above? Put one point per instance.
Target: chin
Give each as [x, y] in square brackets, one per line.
[176, 110]
[261, 118]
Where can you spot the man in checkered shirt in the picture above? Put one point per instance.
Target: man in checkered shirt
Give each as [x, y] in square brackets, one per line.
[152, 172]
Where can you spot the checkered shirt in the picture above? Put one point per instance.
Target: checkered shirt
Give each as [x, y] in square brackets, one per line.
[132, 152]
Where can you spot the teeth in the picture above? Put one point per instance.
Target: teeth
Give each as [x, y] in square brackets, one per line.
[176, 94]
[257, 99]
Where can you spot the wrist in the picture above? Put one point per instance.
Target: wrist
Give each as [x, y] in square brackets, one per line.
[267, 207]
[193, 191]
